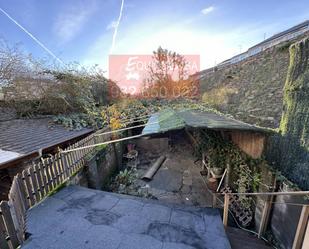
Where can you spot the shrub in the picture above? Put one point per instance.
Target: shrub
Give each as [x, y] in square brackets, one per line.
[218, 97]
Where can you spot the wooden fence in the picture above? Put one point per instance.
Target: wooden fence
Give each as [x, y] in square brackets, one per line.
[301, 237]
[36, 182]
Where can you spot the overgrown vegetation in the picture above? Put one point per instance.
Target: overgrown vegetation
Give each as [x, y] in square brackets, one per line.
[169, 77]
[33, 87]
[244, 170]
[125, 111]
[70, 93]
[284, 46]
[125, 178]
[218, 96]
[289, 149]
[13, 62]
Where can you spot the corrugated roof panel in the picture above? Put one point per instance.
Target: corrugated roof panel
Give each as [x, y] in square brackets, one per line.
[165, 120]
[173, 120]
[199, 119]
[152, 125]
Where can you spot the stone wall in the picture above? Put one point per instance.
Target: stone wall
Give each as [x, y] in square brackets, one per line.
[289, 149]
[79, 179]
[102, 165]
[254, 87]
[251, 90]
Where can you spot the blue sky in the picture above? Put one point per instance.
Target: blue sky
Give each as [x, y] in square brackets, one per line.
[77, 30]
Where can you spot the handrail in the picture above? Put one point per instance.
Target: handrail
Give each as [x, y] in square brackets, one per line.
[124, 129]
[268, 193]
[302, 223]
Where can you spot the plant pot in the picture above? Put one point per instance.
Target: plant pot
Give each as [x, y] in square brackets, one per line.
[217, 171]
[212, 184]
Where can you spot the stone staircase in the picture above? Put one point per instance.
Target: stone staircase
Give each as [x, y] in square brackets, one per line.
[240, 239]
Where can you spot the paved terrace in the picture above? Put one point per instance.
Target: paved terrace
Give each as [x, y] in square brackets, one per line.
[77, 217]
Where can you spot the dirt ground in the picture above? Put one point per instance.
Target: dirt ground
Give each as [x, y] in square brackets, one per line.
[177, 181]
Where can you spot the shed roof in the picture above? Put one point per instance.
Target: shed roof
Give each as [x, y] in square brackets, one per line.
[8, 155]
[25, 136]
[172, 120]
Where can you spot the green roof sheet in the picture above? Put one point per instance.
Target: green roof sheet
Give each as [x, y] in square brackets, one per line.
[169, 119]
[164, 121]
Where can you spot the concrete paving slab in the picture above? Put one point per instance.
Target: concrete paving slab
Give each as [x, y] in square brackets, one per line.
[187, 220]
[156, 212]
[132, 224]
[105, 203]
[140, 241]
[176, 246]
[177, 181]
[167, 179]
[78, 217]
[128, 207]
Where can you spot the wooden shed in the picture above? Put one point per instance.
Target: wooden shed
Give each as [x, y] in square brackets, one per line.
[249, 138]
[23, 140]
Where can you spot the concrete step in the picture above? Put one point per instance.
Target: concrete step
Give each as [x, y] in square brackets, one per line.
[240, 239]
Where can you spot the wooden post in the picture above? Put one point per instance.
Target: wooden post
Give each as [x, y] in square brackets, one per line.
[54, 171]
[39, 178]
[34, 184]
[7, 217]
[65, 165]
[22, 191]
[265, 216]
[50, 169]
[49, 178]
[301, 228]
[3, 242]
[28, 187]
[59, 168]
[306, 238]
[266, 211]
[226, 209]
[214, 200]
[228, 175]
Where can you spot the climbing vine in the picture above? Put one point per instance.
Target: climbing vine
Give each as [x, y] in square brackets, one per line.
[220, 152]
[289, 148]
[121, 113]
[124, 112]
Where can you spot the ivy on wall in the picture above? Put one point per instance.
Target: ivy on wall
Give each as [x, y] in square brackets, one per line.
[289, 149]
[220, 152]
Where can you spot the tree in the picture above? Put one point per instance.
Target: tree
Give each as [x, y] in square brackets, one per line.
[12, 63]
[168, 76]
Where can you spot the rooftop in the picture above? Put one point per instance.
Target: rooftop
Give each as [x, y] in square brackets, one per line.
[24, 136]
[287, 31]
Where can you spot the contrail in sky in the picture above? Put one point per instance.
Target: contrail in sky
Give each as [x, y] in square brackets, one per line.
[116, 27]
[32, 36]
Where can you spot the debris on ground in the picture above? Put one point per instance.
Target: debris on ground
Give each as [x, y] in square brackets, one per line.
[178, 180]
